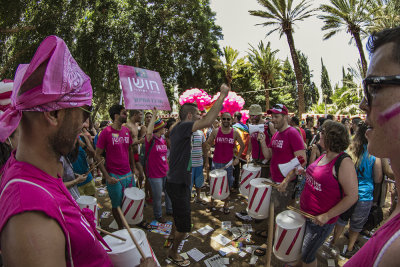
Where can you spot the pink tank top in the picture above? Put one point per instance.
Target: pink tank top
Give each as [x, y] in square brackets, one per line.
[224, 145]
[24, 187]
[372, 252]
[321, 191]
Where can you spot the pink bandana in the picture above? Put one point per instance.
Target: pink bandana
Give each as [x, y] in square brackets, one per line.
[5, 94]
[64, 85]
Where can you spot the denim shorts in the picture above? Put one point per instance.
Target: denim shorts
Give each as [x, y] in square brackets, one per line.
[358, 217]
[314, 237]
[229, 171]
[197, 176]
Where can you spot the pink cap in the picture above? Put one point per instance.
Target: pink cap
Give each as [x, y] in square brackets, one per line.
[64, 85]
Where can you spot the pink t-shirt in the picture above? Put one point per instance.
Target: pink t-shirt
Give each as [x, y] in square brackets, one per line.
[321, 191]
[224, 145]
[25, 188]
[256, 152]
[283, 145]
[372, 252]
[116, 144]
[157, 164]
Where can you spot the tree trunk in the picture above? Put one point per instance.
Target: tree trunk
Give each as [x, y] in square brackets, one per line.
[356, 36]
[266, 95]
[297, 71]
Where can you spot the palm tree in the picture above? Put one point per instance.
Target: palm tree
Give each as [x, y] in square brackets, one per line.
[281, 15]
[231, 65]
[352, 16]
[265, 65]
[386, 15]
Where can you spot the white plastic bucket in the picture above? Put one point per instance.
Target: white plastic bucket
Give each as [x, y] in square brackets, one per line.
[259, 198]
[89, 202]
[249, 172]
[133, 204]
[219, 185]
[125, 253]
[289, 234]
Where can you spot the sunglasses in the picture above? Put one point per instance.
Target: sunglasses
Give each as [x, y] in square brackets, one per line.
[87, 112]
[226, 119]
[372, 84]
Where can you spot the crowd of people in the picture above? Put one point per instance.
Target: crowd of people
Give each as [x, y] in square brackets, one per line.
[51, 152]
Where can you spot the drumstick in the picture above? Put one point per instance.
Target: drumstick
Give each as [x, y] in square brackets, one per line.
[94, 166]
[125, 177]
[271, 184]
[270, 233]
[110, 234]
[305, 214]
[130, 233]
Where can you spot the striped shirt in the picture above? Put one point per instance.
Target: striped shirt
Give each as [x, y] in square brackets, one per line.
[198, 139]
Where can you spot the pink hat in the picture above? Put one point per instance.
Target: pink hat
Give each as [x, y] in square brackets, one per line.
[64, 85]
[278, 109]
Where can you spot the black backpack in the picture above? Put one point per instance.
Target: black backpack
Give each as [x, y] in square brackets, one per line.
[337, 166]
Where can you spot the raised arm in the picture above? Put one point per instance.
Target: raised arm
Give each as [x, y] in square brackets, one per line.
[150, 128]
[208, 120]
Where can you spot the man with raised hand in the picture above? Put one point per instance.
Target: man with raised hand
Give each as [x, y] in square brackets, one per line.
[40, 222]
[180, 165]
[381, 104]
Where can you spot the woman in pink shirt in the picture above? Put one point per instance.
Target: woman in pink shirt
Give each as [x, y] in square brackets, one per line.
[156, 165]
[324, 195]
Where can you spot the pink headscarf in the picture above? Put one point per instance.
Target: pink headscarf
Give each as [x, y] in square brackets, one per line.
[64, 85]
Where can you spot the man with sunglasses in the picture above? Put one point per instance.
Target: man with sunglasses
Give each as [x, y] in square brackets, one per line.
[225, 139]
[381, 103]
[40, 223]
[254, 148]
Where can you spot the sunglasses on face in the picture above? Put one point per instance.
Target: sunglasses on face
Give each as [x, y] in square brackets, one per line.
[372, 84]
[87, 112]
[226, 119]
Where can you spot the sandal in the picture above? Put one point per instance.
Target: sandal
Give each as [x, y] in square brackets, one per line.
[181, 262]
[144, 225]
[262, 233]
[226, 210]
[260, 251]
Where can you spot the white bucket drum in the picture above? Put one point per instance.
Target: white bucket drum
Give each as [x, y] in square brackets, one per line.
[259, 197]
[89, 202]
[289, 234]
[249, 172]
[125, 253]
[133, 204]
[219, 186]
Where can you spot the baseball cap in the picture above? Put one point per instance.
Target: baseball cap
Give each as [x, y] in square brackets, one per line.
[255, 110]
[278, 109]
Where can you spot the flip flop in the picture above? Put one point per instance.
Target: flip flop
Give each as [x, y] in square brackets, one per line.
[260, 251]
[181, 262]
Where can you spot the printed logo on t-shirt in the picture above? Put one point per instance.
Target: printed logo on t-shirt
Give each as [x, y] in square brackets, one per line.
[161, 148]
[311, 181]
[225, 140]
[277, 143]
[119, 140]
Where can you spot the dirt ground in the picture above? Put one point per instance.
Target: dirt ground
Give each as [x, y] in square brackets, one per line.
[201, 218]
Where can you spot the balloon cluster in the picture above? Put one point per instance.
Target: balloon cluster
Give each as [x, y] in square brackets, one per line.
[199, 96]
[245, 115]
[232, 102]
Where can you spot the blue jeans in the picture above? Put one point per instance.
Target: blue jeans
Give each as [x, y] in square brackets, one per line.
[314, 237]
[229, 171]
[157, 187]
[197, 177]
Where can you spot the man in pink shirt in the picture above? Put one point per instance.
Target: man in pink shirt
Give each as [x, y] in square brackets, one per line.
[285, 144]
[116, 141]
[40, 222]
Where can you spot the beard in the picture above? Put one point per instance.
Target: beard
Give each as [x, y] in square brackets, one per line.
[64, 140]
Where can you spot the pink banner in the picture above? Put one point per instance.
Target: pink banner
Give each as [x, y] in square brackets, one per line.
[142, 89]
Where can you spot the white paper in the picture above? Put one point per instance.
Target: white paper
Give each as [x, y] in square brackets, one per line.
[221, 239]
[196, 254]
[331, 263]
[232, 249]
[242, 254]
[205, 230]
[253, 260]
[226, 261]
